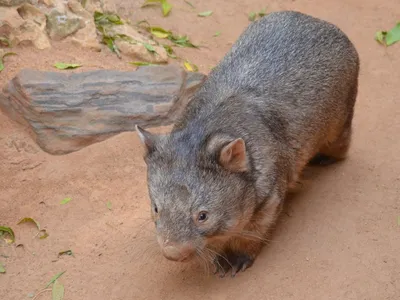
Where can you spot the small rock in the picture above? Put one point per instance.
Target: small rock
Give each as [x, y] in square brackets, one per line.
[60, 25]
[9, 20]
[48, 3]
[29, 12]
[12, 2]
[69, 111]
[32, 33]
[136, 50]
[18, 30]
[92, 5]
[87, 36]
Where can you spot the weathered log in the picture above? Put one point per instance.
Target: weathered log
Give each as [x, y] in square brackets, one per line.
[68, 111]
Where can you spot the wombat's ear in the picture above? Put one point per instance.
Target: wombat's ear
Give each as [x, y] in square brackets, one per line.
[147, 139]
[233, 156]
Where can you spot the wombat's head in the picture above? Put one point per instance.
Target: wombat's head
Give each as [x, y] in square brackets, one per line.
[199, 190]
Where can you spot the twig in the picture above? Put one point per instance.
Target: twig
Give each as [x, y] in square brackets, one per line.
[41, 292]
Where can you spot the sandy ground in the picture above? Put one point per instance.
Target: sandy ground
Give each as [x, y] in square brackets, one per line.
[339, 237]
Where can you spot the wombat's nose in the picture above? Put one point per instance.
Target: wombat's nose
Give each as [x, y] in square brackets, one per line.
[177, 254]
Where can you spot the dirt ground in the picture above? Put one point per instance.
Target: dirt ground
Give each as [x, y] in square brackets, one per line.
[339, 237]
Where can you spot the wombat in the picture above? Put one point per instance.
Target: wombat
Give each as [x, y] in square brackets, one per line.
[281, 98]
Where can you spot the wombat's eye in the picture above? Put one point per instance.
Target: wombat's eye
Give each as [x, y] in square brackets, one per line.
[202, 217]
[155, 209]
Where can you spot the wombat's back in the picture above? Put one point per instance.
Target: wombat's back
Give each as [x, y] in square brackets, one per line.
[287, 57]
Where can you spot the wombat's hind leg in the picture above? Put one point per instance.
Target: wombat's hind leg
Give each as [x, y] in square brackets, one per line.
[336, 151]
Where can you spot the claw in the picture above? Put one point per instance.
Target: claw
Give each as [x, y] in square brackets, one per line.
[234, 262]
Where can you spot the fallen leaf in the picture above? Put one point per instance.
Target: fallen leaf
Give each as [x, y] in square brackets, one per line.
[170, 51]
[109, 205]
[181, 41]
[262, 13]
[218, 33]
[393, 35]
[65, 66]
[380, 36]
[142, 63]
[190, 67]
[205, 13]
[1, 59]
[252, 16]
[149, 48]
[5, 41]
[55, 277]
[57, 292]
[66, 252]
[43, 234]
[398, 220]
[389, 37]
[160, 32]
[65, 200]
[2, 269]
[166, 8]
[9, 232]
[190, 4]
[104, 18]
[29, 220]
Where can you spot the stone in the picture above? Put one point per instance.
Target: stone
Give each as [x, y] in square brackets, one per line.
[29, 12]
[87, 36]
[9, 20]
[60, 25]
[136, 50]
[12, 2]
[18, 30]
[68, 111]
[31, 32]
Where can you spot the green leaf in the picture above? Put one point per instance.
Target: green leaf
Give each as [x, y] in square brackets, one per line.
[107, 18]
[57, 292]
[109, 205]
[160, 32]
[65, 200]
[1, 59]
[55, 277]
[181, 41]
[166, 8]
[190, 67]
[66, 252]
[65, 66]
[138, 63]
[252, 16]
[170, 51]
[218, 33]
[29, 220]
[149, 48]
[262, 13]
[190, 4]
[398, 220]
[380, 37]
[2, 269]
[205, 13]
[393, 35]
[9, 232]
[151, 2]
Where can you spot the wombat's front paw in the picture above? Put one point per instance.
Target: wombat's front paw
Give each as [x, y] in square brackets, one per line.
[234, 261]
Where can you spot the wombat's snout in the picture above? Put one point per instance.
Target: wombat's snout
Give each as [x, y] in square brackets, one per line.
[177, 252]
